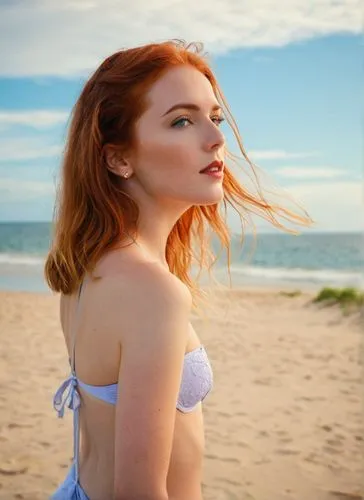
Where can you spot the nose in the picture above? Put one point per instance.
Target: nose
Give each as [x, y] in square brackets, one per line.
[214, 139]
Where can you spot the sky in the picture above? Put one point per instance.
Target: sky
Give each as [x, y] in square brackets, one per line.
[291, 74]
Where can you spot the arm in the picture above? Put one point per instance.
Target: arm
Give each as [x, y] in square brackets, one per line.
[155, 318]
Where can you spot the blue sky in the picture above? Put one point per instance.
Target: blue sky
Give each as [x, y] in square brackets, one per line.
[292, 80]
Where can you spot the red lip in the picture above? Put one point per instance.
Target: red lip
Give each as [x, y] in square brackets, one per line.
[219, 164]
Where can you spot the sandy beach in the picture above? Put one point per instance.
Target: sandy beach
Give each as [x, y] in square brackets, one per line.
[284, 420]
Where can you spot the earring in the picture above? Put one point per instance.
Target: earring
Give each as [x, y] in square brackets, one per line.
[126, 175]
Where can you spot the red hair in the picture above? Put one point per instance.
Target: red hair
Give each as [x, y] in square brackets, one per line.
[92, 212]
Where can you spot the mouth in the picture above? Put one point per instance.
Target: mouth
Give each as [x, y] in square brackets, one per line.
[214, 167]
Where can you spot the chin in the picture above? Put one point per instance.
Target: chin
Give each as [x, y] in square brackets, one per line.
[211, 198]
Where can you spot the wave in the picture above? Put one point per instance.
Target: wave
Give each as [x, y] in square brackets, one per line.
[338, 277]
[300, 275]
[21, 259]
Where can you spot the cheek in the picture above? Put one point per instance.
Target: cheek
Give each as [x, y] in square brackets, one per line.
[168, 156]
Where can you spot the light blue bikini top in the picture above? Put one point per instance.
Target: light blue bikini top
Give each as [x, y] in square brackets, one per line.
[196, 382]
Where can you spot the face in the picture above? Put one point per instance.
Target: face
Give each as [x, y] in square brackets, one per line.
[172, 147]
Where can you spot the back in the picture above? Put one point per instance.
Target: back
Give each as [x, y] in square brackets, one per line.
[132, 321]
[109, 309]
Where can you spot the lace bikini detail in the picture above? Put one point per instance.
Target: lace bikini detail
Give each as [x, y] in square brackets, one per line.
[197, 380]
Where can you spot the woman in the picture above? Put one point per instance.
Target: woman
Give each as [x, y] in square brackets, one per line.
[145, 166]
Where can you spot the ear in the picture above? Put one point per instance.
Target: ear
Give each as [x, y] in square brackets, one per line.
[115, 161]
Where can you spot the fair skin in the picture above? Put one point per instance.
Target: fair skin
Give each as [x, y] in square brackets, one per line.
[135, 324]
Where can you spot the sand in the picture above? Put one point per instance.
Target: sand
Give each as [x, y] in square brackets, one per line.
[284, 420]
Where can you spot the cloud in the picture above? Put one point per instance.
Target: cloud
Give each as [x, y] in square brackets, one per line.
[12, 190]
[279, 154]
[348, 193]
[16, 149]
[38, 119]
[335, 206]
[79, 34]
[309, 172]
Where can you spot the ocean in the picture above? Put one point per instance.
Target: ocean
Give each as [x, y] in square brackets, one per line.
[309, 260]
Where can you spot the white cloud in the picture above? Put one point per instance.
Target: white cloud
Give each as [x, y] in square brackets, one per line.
[12, 190]
[309, 172]
[279, 154]
[72, 37]
[335, 206]
[16, 149]
[38, 119]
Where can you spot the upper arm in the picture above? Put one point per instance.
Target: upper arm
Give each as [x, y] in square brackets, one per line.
[154, 315]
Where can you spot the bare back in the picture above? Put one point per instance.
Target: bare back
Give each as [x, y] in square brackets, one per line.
[107, 315]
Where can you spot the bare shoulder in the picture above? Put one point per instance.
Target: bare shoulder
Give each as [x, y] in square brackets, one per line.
[143, 277]
[152, 276]
[144, 290]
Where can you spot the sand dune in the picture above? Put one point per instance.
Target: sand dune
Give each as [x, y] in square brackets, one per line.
[284, 421]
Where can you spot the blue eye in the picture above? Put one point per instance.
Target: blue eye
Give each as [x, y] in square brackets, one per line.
[217, 119]
[181, 120]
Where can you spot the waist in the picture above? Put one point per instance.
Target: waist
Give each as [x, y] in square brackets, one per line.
[98, 448]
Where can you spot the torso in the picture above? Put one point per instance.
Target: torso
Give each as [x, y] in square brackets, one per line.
[97, 417]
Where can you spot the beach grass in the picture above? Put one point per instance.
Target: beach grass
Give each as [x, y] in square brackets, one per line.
[350, 299]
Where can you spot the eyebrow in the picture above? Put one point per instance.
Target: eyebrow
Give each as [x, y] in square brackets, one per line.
[187, 105]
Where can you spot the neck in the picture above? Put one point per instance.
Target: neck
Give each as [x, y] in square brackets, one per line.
[153, 230]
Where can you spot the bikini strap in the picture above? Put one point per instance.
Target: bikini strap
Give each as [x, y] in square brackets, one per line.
[74, 330]
[76, 417]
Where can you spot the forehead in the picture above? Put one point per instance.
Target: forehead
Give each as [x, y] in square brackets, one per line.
[180, 84]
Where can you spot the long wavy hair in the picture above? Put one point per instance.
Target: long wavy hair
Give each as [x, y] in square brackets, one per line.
[92, 211]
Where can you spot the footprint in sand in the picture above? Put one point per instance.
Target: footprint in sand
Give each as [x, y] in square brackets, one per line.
[340, 495]
[241, 444]
[334, 442]
[12, 471]
[286, 440]
[331, 450]
[286, 452]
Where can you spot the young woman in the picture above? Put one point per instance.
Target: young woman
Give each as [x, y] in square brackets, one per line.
[145, 168]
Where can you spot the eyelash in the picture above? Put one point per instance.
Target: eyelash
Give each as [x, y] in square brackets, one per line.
[186, 118]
